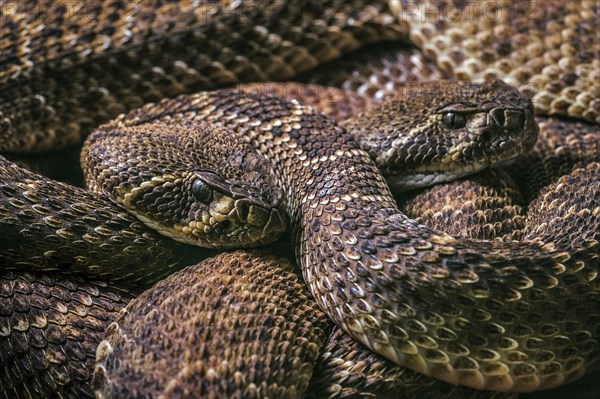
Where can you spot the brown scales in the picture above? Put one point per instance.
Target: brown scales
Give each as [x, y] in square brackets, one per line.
[340, 225]
[93, 61]
[156, 83]
[251, 316]
[49, 225]
[50, 327]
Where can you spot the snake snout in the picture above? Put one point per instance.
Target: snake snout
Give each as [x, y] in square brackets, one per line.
[515, 120]
[509, 119]
[497, 117]
[242, 208]
[252, 213]
[269, 222]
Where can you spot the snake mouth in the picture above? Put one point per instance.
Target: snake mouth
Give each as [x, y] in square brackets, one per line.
[233, 223]
[262, 227]
[509, 132]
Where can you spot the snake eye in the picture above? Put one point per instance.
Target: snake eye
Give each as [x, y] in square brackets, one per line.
[201, 191]
[454, 120]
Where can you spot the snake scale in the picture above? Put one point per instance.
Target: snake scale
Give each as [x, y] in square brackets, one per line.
[151, 63]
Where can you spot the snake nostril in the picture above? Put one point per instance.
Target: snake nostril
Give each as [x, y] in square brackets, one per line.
[243, 209]
[498, 116]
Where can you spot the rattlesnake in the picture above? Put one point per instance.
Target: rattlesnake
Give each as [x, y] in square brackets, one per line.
[37, 103]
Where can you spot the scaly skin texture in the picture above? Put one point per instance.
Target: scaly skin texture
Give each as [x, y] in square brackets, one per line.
[586, 388]
[562, 147]
[549, 212]
[48, 225]
[256, 333]
[155, 83]
[346, 370]
[67, 67]
[456, 309]
[377, 71]
[489, 197]
[205, 188]
[484, 206]
[50, 326]
[367, 78]
[414, 146]
[549, 46]
[493, 203]
[357, 82]
[334, 102]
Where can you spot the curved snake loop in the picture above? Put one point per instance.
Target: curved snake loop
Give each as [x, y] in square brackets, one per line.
[407, 291]
[486, 314]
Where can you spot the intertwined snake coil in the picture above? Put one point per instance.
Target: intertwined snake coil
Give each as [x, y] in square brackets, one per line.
[394, 262]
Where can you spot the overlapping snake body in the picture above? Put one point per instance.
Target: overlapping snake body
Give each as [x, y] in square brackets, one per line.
[71, 67]
[407, 291]
[483, 314]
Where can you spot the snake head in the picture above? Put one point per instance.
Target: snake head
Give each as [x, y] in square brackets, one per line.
[437, 132]
[237, 207]
[195, 183]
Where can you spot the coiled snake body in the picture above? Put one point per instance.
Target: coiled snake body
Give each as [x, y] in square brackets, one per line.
[486, 314]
